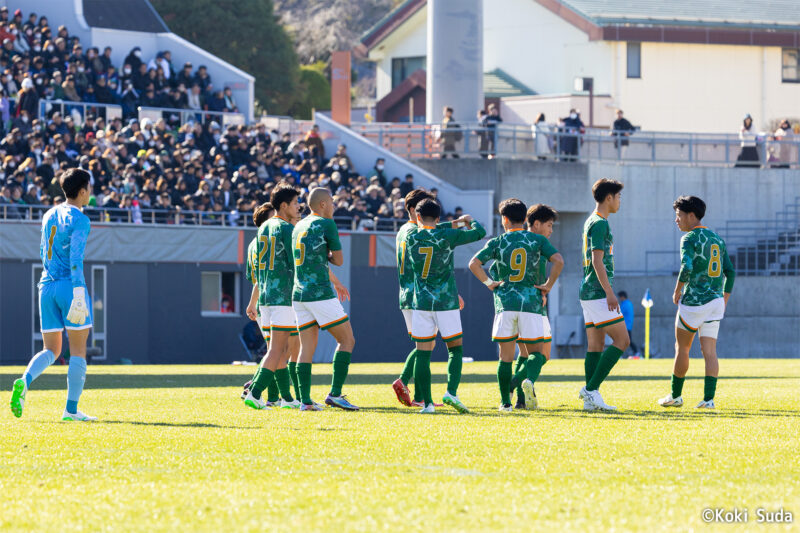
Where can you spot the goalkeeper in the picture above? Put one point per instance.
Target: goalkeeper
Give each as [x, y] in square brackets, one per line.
[63, 299]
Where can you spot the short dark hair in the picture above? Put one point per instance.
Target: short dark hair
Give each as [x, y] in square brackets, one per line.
[690, 204]
[622, 294]
[415, 197]
[605, 186]
[73, 181]
[542, 213]
[262, 213]
[428, 208]
[283, 194]
[513, 209]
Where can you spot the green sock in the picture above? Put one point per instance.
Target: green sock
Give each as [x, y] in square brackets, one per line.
[341, 363]
[677, 385]
[292, 366]
[590, 364]
[273, 393]
[304, 382]
[284, 384]
[504, 380]
[520, 373]
[408, 368]
[261, 381]
[709, 388]
[535, 365]
[422, 375]
[455, 358]
[604, 366]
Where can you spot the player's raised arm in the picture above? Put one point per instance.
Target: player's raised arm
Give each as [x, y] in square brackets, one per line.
[488, 253]
[460, 237]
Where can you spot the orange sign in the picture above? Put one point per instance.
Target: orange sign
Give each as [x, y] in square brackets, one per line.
[340, 87]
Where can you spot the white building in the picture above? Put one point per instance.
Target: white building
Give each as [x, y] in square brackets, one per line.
[682, 65]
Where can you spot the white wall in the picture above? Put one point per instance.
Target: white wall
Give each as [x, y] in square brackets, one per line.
[58, 12]
[706, 88]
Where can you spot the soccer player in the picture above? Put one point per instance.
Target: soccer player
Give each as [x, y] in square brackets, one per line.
[275, 266]
[519, 257]
[315, 243]
[64, 301]
[704, 286]
[429, 252]
[540, 219]
[600, 305]
[406, 280]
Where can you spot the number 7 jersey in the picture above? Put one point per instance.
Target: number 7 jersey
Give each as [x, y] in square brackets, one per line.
[706, 268]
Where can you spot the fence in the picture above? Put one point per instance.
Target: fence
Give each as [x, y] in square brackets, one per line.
[559, 144]
[178, 117]
[79, 110]
[177, 216]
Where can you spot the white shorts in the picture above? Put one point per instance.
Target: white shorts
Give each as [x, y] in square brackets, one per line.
[546, 332]
[517, 326]
[277, 317]
[597, 315]
[324, 314]
[425, 324]
[703, 318]
[263, 321]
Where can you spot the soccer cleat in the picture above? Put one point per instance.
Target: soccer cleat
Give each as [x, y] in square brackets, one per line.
[455, 403]
[520, 403]
[706, 404]
[416, 403]
[589, 401]
[78, 416]
[18, 396]
[669, 401]
[588, 406]
[256, 403]
[428, 409]
[505, 408]
[401, 391]
[340, 402]
[599, 402]
[294, 404]
[530, 395]
[246, 388]
[310, 407]
[276, 403]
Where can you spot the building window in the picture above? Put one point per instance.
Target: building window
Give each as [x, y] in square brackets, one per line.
[219, 294]
[403, 67]
[634, 60]
[791, 65]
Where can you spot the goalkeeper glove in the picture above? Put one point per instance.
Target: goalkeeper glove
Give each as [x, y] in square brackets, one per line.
[78, 312]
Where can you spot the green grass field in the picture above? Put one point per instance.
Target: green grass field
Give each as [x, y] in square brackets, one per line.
[176, 450]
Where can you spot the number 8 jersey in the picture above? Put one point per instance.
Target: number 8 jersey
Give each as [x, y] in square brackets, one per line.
[705, 267]
[519, 261]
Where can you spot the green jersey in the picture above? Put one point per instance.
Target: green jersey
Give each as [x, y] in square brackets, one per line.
[275, 262]
[251, 270]
[406, 275]
[596, 236]
[312, 239]
[520, 259]
[429, 254]
[706, 268]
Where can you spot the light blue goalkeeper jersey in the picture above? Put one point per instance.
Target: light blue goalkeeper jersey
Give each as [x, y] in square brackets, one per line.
[65, 230]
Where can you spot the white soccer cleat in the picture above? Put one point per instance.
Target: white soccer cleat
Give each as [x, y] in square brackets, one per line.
[505, 408]
[531, 402]
[78, 416]
[706, 404]
[588, 406]
[669, 401]
[428, 409]
[600, 403]
[588, 400]
[256, 403]
[294, 404]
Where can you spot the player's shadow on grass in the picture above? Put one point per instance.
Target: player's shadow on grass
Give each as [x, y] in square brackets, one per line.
[171, 424]
[660, 413]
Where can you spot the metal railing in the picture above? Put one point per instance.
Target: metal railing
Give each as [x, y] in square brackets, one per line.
[79, 110]
[560, 144]
[178, 117]
[183, 217]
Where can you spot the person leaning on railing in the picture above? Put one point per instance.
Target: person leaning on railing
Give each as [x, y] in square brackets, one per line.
[748, 157]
